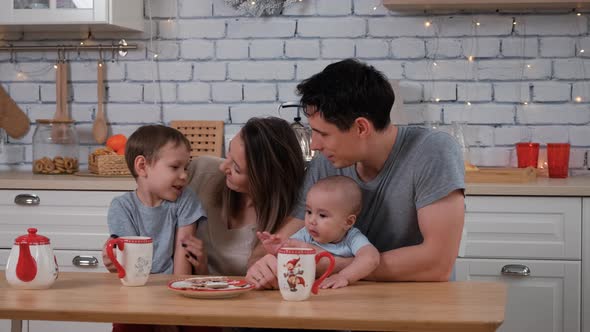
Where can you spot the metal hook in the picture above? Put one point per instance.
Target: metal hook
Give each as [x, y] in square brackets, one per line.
[12, 56]
[100, 53]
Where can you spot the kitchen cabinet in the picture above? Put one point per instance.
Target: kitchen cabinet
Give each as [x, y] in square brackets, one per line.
[419, 5]
[586, 264]
[76, 224]
[534, 245]
[61, 15]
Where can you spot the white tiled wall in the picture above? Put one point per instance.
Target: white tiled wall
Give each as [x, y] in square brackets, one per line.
[216, 64]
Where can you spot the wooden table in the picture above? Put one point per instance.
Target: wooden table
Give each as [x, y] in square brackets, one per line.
[100, 297]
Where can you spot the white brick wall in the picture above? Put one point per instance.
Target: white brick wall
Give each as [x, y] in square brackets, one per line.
[526, 81]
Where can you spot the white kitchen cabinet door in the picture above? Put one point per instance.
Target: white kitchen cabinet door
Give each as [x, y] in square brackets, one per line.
[586, 265]
[523, 227]
[548, 300]
[121, 14]
[72, 220]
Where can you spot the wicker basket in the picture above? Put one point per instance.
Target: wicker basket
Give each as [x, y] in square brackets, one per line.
[107, 164]
[206, 137]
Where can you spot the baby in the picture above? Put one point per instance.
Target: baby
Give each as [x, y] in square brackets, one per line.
[331, 209]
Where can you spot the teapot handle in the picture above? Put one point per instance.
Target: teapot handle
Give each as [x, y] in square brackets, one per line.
[26, 267]
[110, 246]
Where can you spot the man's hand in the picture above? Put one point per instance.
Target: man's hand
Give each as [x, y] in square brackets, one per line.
[196, 254]
[271, 242]
[105, 258]
[334, 281]
[263, 273]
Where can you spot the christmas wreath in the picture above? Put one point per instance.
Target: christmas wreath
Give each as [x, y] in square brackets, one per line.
[260, 7]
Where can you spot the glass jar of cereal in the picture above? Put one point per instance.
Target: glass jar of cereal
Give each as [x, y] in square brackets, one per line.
[55, 147]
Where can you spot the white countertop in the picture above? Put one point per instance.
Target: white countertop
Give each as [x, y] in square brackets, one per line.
[572, 186]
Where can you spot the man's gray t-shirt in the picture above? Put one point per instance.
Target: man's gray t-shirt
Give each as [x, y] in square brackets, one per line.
[347, 247]
[424, 166]
[129, 217]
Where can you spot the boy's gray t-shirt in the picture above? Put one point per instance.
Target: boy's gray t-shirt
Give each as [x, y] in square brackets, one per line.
[348, 247]
[129, 217]
[424, 166]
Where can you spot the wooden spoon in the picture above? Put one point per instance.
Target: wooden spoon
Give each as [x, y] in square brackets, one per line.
[99, 127]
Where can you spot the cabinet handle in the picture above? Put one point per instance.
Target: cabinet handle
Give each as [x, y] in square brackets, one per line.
[516, 270]
[27, 199]
[85, 261]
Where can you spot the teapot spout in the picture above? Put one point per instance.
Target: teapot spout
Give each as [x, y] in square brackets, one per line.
[26, 267]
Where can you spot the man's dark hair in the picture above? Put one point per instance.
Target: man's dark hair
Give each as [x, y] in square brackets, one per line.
[346, 90]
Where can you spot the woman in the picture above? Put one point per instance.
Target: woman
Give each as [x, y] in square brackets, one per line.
[253, 189]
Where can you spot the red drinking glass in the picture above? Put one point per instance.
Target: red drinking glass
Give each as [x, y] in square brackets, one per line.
[528, 154]
[558, 157]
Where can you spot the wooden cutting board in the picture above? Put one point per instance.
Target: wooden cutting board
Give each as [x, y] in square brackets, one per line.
[501, 175]
[12, 118]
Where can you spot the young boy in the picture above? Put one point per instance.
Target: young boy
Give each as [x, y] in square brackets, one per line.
[161, 207]
[332, 206]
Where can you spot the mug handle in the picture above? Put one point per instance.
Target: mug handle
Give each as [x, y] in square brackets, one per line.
[316, 284]
[110, 246]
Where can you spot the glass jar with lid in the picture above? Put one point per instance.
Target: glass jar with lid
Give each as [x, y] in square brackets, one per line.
[55, 147]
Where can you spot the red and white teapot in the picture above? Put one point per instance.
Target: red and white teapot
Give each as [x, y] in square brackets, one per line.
[31, 264]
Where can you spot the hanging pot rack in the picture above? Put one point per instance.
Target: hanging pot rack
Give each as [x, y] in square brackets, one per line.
[122, 47]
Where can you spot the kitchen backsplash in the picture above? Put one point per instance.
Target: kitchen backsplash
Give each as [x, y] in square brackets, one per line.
[510, 76]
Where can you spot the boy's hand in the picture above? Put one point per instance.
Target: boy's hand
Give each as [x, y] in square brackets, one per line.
[105, 258]
[196, 254]
[334, 281]
[271, 242]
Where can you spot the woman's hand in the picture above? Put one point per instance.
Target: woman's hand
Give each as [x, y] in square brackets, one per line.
[263, 273]
[195, 253]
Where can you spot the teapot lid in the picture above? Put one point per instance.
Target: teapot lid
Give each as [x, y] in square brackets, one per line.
[32, 238]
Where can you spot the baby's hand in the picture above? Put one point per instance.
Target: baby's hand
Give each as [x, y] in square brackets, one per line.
[334, 281]
[271, 242]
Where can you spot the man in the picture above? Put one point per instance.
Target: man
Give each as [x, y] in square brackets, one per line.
[412, 178]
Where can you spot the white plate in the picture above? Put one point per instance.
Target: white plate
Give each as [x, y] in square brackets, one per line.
[209, 287]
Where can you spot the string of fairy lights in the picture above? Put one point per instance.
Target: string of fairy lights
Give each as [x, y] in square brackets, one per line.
[430, 23]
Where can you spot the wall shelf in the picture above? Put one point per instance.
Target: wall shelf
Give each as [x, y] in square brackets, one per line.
[504, 5]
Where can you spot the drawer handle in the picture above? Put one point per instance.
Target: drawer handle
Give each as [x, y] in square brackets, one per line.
[85, 261]
[27, 199]
[516, 270]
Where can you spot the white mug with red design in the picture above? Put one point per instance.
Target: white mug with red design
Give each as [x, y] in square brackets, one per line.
[132, 256]
[296, 272]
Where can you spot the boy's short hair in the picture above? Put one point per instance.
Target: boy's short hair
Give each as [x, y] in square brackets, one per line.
[346, 187]
[347, 90]
[148, 140]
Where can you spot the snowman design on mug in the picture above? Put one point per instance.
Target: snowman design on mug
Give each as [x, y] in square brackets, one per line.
[293, 275]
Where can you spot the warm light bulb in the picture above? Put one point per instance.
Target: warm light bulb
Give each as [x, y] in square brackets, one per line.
[468, 103]
[514, 23]
[253, 3]
[582, 51]
[82, 43]
[578, 99]
[579, 14]
[528, 66]
[375, 8]
[526, 103]
[427, 24]
[470, 58]
[477, 23]
[55, 66]
[437, 100]
[100, 64]
[434, 64]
